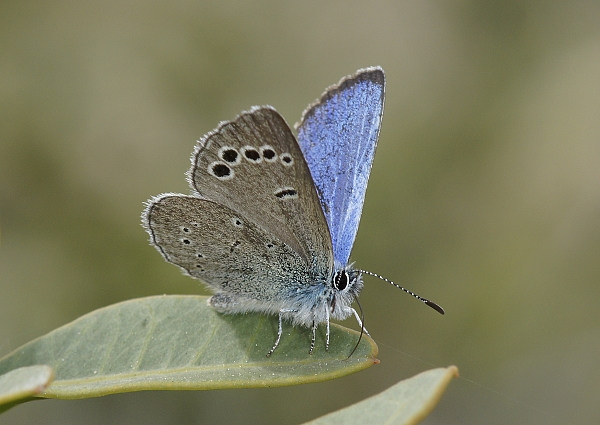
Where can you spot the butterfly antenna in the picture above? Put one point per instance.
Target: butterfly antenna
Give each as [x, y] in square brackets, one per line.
[362, 327]
[420, 298]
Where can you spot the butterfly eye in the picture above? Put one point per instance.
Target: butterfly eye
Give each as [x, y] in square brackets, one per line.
[340, 280]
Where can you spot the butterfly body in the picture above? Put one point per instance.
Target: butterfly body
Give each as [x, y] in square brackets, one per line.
[271, 220]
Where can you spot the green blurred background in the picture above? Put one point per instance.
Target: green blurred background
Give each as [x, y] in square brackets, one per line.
[484, 196]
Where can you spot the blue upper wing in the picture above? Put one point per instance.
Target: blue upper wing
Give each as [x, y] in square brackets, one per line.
[338, 135]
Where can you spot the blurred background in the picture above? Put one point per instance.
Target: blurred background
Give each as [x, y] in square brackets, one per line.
[484, 195]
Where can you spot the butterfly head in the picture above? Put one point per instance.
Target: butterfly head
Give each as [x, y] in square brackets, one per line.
[346, 284]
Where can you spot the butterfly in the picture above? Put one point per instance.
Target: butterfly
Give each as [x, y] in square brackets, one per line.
[271, 219]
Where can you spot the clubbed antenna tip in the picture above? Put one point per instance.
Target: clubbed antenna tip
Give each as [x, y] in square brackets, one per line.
[420, 298]
[433, 306]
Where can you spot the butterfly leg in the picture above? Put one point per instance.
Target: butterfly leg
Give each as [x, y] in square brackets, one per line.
[327, 338]
[314, 333]
[360, 323]
[314, 337]
[280, 330]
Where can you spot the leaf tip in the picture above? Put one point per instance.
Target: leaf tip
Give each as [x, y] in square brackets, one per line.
[454, 370]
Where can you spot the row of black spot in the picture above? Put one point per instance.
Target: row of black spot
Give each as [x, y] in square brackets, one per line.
[231, 157]
[255, 155]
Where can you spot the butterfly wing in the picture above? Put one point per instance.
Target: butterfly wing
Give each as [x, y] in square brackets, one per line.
[254, 166]
[338, 135]
[226, 251]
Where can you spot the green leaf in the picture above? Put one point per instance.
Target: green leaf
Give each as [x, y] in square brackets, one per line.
[179, 342]
[407, 402]
[21, 384]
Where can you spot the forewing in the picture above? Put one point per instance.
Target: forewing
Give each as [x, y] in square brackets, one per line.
[254, 166]
[338, 135]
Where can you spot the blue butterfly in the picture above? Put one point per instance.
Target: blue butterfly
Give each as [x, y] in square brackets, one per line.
[272, 219]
